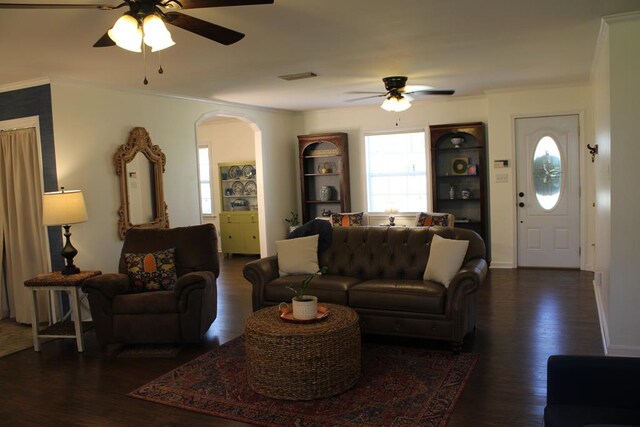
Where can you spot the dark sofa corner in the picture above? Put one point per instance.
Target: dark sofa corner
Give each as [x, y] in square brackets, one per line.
[592, 391]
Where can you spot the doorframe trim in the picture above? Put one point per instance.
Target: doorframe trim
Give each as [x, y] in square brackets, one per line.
[585, 256]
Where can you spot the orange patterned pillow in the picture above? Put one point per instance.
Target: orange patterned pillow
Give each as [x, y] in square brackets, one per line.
[347, 219]
[155, 271]
[428, 220]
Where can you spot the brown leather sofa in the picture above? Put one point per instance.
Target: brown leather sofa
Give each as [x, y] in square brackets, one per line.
[378, 271]
[181, 315]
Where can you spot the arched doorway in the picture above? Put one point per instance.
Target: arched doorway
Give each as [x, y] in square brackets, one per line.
[224, 141]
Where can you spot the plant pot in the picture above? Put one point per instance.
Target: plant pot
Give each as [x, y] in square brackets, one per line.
[305, 309]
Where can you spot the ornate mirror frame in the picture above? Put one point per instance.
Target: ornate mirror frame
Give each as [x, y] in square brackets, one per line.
[140, 142]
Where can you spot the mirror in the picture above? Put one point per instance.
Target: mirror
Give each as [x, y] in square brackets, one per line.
[140, 165]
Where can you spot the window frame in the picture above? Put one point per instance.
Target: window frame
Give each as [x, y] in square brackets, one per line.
[206, 146]
[427, 169]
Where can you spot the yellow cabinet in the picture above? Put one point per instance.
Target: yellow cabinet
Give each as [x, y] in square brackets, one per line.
[239, 201]
[239, 232]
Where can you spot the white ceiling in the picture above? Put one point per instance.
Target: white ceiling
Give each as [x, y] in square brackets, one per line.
[468, 45]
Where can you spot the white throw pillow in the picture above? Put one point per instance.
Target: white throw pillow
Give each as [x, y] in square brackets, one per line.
[445, 259]
[298, 256]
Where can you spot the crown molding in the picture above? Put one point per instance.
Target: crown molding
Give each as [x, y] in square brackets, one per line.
[25, 84]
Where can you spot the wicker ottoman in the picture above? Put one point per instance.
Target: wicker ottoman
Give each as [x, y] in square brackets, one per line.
[307, 361]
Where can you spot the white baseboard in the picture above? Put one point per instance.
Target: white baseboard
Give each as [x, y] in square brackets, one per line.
[602, 315]
[623, 351]
[611, 349]
[498, 264]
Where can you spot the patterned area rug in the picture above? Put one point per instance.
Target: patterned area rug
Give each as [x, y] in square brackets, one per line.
[399, 387]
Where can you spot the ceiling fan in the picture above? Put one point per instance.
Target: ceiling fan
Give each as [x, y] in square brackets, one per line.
[164, 9]
[144, 21]
[397, 93]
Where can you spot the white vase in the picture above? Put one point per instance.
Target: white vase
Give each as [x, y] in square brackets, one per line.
[325, 193]
[306, 309]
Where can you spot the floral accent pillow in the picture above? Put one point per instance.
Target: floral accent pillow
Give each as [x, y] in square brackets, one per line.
[427, 220]
[155, 271]
[347, 219]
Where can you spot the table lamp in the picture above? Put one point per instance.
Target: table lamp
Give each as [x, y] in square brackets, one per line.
[391, 211]
[65, 208]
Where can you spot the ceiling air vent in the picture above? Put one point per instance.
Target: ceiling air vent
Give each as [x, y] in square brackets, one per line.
[298, 76]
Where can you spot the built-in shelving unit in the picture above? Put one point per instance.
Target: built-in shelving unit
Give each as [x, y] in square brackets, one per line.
[324, 174]
[459, 174]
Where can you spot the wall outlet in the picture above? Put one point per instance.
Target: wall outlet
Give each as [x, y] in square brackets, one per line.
[502, 177]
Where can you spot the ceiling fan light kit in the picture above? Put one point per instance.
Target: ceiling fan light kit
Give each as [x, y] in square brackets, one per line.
[156, 35]
[396, 103]
[126, 33]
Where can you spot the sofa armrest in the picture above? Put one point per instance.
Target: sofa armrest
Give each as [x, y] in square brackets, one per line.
[193, 280]
[259, 273]
[190, 282]
[109, 285]
[467, 280]
[593, 381]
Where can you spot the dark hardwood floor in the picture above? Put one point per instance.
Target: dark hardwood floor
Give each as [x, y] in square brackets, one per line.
[523, 317]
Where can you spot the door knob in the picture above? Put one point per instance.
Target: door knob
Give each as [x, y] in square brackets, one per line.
[521, 194]
[521, 204]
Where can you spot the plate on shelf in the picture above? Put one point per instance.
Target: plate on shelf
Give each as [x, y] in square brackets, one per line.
[250, 188]
[234, 172]
[237, 188]
[248, 171]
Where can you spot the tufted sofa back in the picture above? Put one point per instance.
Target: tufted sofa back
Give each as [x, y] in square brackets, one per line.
[390, 252]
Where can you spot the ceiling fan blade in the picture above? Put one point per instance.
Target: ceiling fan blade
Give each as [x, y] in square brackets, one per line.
[366, 91]
[433, 92]
[58, 6]
[194, 4]
[104, 41]
[366, 97]
[205, 29]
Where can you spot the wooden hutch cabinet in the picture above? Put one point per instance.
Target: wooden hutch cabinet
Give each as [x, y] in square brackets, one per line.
[324, 174]
[239, 231]
[459, 175]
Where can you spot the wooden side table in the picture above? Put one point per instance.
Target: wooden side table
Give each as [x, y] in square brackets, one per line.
[57, 282]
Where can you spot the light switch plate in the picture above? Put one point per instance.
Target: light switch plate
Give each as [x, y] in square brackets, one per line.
[502, 177]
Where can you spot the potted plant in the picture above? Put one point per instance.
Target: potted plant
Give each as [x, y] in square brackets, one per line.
[305, 307]
[293, 221]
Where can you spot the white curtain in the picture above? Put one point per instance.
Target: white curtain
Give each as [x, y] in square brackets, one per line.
[22, 235]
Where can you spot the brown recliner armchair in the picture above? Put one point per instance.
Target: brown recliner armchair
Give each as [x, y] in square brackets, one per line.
[181, 315]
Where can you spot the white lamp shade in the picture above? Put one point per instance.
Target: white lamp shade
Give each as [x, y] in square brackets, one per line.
[63, 208]
[396, 104]
[126, 33]
[156, 35]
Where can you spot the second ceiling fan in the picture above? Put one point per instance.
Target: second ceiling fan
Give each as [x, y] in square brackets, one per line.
[397, 93]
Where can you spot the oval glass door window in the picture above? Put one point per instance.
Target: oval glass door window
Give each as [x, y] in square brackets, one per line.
[547, 172]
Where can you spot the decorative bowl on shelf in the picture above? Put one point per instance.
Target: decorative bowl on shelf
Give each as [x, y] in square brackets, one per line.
[240, 205]
[457, 141]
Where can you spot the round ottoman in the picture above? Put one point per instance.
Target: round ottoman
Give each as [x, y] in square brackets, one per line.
[303, 361]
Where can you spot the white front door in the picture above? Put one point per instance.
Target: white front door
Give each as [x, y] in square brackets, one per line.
[548, 191]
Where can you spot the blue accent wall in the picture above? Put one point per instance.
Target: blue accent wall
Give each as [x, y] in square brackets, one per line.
[36, 101]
